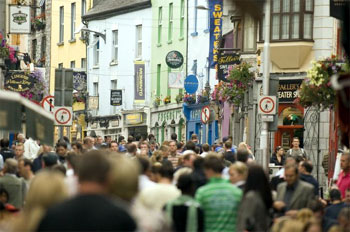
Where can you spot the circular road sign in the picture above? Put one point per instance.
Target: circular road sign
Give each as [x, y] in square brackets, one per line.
[63, 116]
[205, 114]
[48, 103]
[191, 84]
[267, 105]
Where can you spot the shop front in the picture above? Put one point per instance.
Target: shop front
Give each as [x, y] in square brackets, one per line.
[105, 126]
[135, 123]
[166, 120]
[206, 132]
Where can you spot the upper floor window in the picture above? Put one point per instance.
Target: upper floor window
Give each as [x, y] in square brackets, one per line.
[171, 22]
[182, 18]
[96, 50]
[160, 12]
[115, 46]
[83, 7]
[290, 20]
[139, 41]
[72, 21]
[61, 38]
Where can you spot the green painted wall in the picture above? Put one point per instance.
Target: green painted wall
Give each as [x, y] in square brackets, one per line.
[162, 43]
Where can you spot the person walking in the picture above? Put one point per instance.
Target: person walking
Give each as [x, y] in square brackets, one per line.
[296, 151]
[218, 198]
[278, 157]
[256, 205]
[343, 182]
[305, 169]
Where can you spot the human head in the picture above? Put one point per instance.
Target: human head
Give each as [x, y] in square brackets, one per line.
[228, 145]
[172, 147]
[305, 167]
[186, 184]
[10, 166]
[19, 150]
[279, 150]
[167, 171]
[343, 218]
[120, 138]
[113, 146]
[49, 159]
[21, 138]
[206, 147]
[291, 174]
[144, 164]
[188, 159]
[151, 137]
[73, 161]
[61, 148]
[152, 146]
[242, 155]
[194, 138]
[335, 195]
[144, 147]
[130, 139]
[5, 143]
[155, 172]
[157, 156]
[108, 139]
[131, 148]
[295, 142]
[165, 150]
[124, 177]
[345, 161]
[243, 145]
[173, 136]
[88, 142]
[60, 168]
[25, 167]
[77, 148]
[238, 172]
[94, 167]
[212, 165]
[190, 145]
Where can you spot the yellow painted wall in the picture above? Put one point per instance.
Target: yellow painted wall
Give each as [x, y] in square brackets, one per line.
[68, 51]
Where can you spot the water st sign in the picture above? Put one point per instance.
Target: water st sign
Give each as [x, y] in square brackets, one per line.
[191, 84]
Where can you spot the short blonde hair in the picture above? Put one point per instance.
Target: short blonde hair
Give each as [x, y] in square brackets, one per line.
[240, 167]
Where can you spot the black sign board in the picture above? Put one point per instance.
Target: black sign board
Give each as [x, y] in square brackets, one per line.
[338, 8]
[174, 59]
[79, 81]
[19, 81]
[224, 62]
[116, 97]
[288, 90]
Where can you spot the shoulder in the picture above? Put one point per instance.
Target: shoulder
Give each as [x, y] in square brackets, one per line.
[281, 186]
[306, 185]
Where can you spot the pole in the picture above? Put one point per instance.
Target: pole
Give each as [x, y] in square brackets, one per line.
[62, 96]
[266, 74]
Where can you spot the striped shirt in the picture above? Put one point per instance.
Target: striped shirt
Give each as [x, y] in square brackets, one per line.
[174, 160]
[220, 201]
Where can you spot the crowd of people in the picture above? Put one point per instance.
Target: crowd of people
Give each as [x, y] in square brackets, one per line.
[136, 184]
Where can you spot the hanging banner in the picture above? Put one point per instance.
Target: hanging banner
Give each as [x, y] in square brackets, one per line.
[79, 81]
[176, 80]
[216, 12]
[139, 81]
[19, 19]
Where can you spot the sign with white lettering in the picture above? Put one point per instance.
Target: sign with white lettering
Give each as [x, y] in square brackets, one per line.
[139, 81]
[116, 97]
[224, 62]
[288, 90]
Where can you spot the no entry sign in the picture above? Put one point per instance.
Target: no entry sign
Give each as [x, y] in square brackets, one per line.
[48, 103]
[267, 105]
[205, 114]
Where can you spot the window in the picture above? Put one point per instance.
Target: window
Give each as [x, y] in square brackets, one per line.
[72, 21]
[171, 22]
[160, 25]
[60, 65]
[83, 63]
[158, 79]
[96, 51]
[249, 34]
[113, 86]
[61, 38]
[95, 88]
[72, 64]
[83, 7]
[195, 33]
[43, 48]
[182, 18]
[34, 45]
[139, 41]
[290, 20]
[115, 46]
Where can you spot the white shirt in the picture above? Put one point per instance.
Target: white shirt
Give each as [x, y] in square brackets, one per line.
[31, 149]
[204, 154]
[145, 182]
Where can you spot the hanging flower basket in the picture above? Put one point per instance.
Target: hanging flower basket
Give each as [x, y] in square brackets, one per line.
[316, 88]
[39, 89]
[38, 23]
[240, 79]
[167, 100]
[203, 97]
[179, 98]
[190, 99]
[6, 51]
[157, 101]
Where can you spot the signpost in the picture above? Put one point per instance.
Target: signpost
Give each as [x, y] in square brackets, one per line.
[191, 84]
[205, 114]
[63, 116]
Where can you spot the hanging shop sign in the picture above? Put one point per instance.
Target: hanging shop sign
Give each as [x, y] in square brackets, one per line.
[139, 81]
[174, 59]
[288, 90]
[18, 81]
[176, 80]
[79, 81]
[116, 97]
[19, 19]
[133, 119]
[215, 8]
[224, 63]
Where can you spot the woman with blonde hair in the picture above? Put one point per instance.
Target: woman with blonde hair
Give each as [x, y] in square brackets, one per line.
[238, 174]
[46, 189]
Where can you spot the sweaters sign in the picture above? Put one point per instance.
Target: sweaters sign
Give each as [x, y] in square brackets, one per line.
[215, 7]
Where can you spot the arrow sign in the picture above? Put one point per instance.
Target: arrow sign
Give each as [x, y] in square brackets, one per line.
[48, 103]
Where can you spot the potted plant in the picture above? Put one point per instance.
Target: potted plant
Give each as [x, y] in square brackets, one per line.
[190, 99]
[203, 97]
[316, 89]
[167, 100]
[179, 98]
[240, 79]
[157, 101]
[38, 23]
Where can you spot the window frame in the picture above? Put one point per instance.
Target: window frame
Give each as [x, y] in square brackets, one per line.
[83, 7]
[73, 20]
[182, 19]
[115, 46]
[138, 51]
[95, 86]
[61, 25]
[72, 64]
[160, 25]
[171, 22]
[302, 11]
[96, 50]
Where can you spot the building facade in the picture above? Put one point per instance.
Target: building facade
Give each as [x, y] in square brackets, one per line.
[119, 59]
[169, 33]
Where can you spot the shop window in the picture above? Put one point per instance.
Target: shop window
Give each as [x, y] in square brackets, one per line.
[291, 116]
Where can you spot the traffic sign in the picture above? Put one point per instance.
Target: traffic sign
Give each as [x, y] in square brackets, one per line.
[191, 84]
[205, 114]
[267, 105]
[63, 116]
[48, 103]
